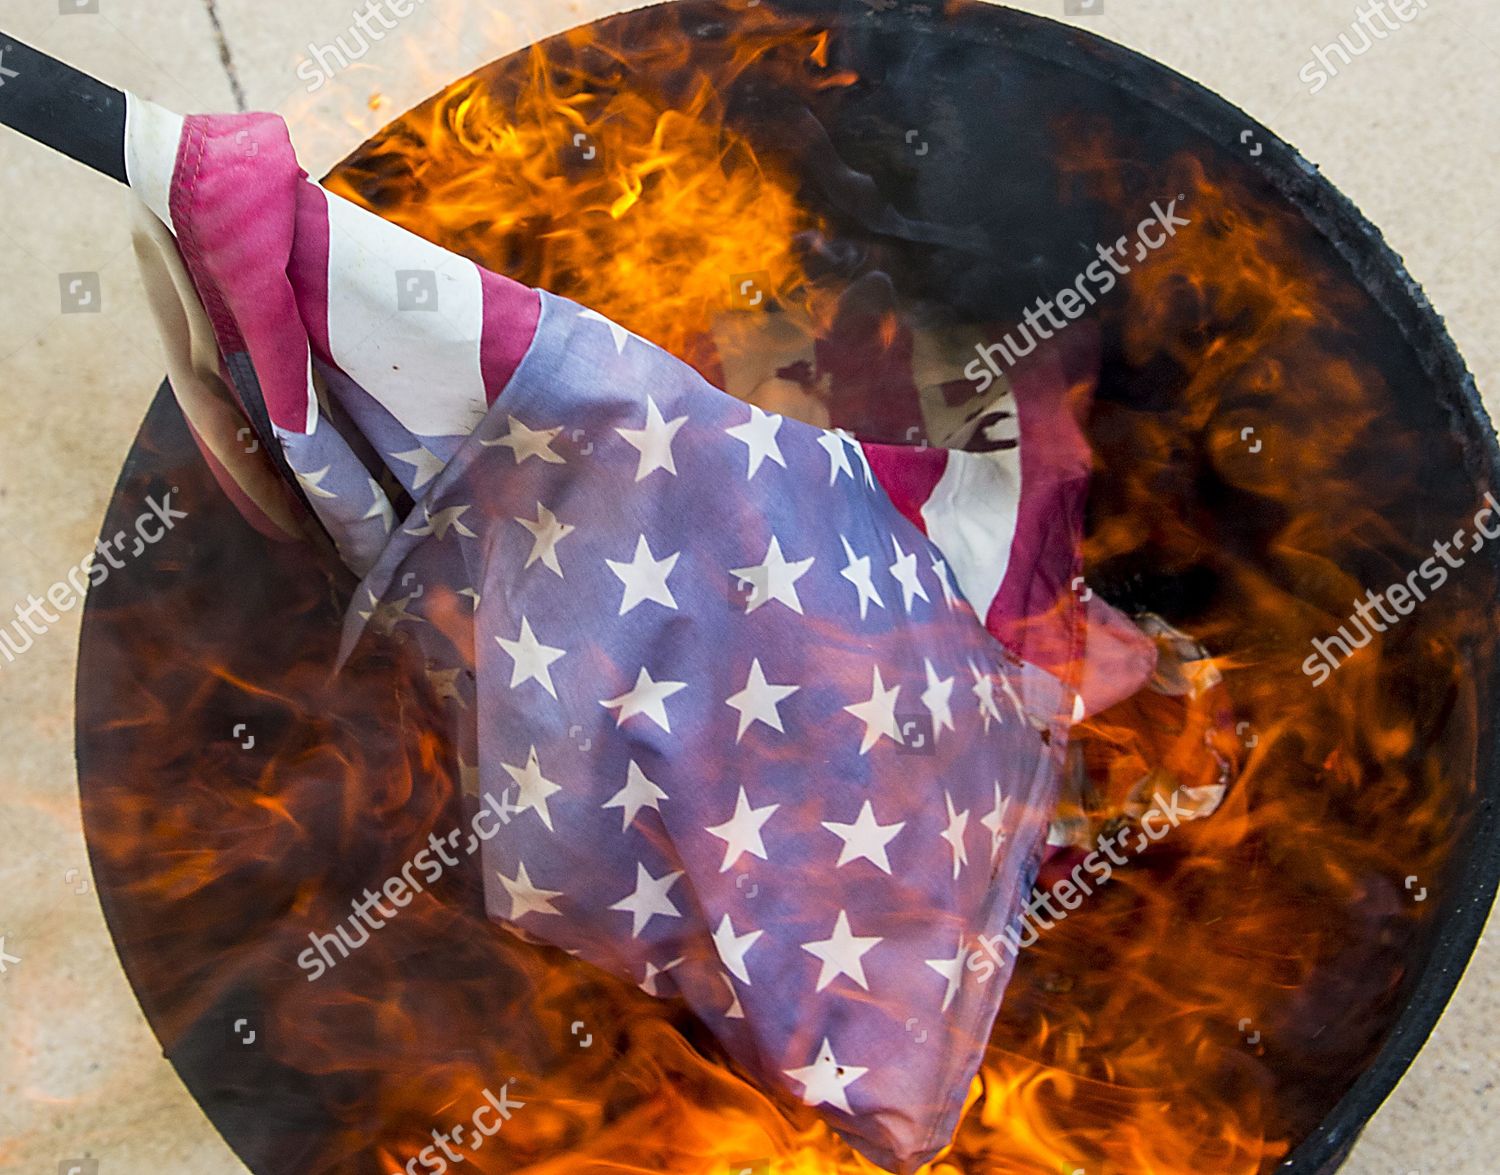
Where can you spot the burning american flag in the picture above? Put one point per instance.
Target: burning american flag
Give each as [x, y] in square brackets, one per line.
[776, 716]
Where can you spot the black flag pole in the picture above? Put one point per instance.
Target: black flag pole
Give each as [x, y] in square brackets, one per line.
[62, 108]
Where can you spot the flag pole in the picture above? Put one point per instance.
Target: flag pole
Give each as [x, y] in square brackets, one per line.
[62, 108]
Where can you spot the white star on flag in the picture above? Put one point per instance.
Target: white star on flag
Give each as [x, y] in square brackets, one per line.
[638, 792]
[1010, 694]
[735, 1012]
[546, 533]
[380, 507]
[645, 697]
[859, 451]
[733, 948]
[859, 573]
[940, 570]
[426, 464]
[525, 896]
[994, 820]
[386, 614]
[904, 569]
[533, 788]
[826, 1081]
[645, 577]
[952, 970]
[757, 702]
[958, 824]
[444, 684]
[758, 434]
[984, 690]
[842, 953]
[937, 697]
[838, 455]
[313, 483]
[620, 335]
[526, 442]
[654, 441]
[533, 659]
[441, 522]
[741, 832]
[653, 972]
[865, 839]
[648, 899]
[773, 579]
[878, 714]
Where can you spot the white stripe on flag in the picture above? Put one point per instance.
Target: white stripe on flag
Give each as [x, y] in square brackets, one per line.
[152, 135]
[405, 320]
[971, 518]
[311, 421]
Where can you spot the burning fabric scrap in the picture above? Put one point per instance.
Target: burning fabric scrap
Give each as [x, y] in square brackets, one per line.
[780, 719]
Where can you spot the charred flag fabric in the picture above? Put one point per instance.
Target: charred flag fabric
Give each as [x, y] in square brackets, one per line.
[731, 677]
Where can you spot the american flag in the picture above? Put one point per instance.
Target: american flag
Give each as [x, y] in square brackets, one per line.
[736, 677]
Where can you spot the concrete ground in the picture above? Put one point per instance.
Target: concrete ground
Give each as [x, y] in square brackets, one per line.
[1408, 131]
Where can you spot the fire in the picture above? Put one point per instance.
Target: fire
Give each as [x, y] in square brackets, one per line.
[1200, 1013]
[645, 204]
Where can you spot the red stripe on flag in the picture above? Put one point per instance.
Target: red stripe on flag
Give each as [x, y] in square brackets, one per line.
[308, 268]
[1036, 612]
[511, 314]
[234, 204]
[908, 475]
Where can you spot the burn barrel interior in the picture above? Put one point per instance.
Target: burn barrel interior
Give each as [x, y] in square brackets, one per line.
[1280, 425]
